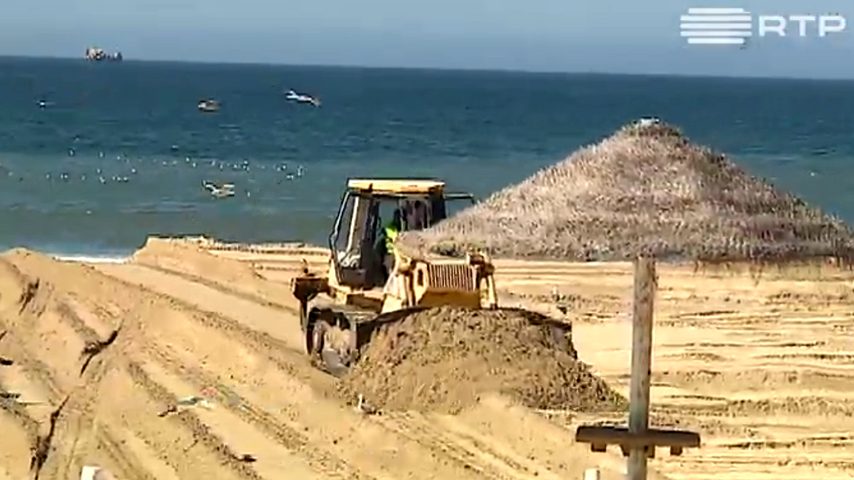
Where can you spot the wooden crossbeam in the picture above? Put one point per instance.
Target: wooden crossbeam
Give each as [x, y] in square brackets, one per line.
[600, 437]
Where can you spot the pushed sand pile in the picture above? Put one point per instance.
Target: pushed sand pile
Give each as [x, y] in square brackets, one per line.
[193, 259]
[445, 359]
[646, 189]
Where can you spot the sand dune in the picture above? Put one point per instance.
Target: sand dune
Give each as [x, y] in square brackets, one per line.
[762, 371]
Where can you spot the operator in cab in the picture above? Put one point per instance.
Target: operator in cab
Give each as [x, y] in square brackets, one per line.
[385, 242]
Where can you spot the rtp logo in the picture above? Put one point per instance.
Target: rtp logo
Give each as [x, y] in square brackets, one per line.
[733, 26]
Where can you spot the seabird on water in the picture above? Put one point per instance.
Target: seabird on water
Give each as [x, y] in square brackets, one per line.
[219, 191]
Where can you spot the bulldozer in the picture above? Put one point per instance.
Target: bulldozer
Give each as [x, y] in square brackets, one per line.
[366, 288]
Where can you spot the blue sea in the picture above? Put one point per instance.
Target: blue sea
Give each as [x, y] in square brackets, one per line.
[120, 151]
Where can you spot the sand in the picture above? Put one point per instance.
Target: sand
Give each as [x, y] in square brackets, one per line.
[760, 366]
[763, 371]
[177, 323]
[446, 359]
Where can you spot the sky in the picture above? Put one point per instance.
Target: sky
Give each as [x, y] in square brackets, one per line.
[619, 36]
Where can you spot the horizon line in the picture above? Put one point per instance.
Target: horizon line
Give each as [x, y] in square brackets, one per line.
[507, 70]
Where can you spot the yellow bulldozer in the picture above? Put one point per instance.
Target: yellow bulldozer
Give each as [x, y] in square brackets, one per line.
[368, 285]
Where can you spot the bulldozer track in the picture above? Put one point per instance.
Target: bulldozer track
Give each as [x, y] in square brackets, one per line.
[255, 416]
[126, 464]
[323, 462]
[35, 369]
[464, 449]
[437, 446]
[200, 431]
[504, 465]
[219, 287]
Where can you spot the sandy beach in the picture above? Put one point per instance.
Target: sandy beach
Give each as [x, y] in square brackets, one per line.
[103, 360]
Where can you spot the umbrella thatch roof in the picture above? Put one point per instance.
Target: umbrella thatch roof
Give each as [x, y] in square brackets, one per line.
[645, 190]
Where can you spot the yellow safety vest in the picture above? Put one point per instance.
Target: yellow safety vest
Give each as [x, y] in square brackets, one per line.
[390, 235]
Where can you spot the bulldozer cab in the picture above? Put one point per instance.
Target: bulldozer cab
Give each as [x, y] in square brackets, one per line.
[357, 241]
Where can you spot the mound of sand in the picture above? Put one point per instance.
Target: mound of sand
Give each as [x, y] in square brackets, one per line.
[645, 190]
[193, 259]
[445, 359]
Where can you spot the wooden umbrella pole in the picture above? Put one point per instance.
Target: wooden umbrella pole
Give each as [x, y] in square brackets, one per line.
[644, 295]
[638, 441]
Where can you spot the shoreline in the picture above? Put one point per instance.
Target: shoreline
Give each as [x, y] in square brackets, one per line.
[78, 258]
[258, 255]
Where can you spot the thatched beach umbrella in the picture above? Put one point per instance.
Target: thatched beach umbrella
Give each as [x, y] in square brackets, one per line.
[646, 190]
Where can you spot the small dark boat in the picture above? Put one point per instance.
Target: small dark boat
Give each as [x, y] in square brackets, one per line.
[209, 106]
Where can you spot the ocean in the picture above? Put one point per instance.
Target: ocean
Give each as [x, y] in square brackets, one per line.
[120, 151]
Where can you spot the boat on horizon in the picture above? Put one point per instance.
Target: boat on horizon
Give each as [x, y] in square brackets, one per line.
[301, 98]
[96, 54]
[208, 106]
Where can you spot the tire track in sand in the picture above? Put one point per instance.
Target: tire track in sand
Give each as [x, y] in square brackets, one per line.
[327, 425]
[257, 317]
[159, 447]
[289, 305]
[197, 379]
[238, 437]
[465, 448]
[219, 323]
[225, 429]
[82, 433]
[76, 431]
[469, 456]
[279, 352]
[201, 432]
[81, 427]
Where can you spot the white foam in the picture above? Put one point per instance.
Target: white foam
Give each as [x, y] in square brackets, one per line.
[91, 259]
